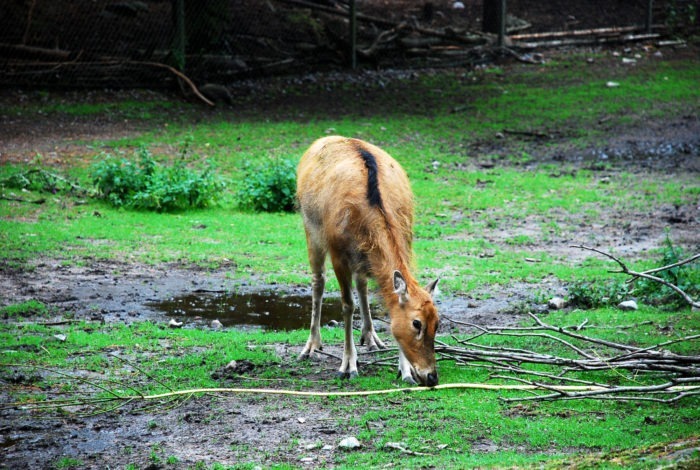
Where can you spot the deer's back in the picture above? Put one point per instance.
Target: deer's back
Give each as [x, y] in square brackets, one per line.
[352, 192]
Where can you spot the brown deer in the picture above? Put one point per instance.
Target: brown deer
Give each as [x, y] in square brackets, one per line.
[357, 206]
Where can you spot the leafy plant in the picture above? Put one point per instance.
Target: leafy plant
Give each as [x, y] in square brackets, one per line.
[595, 293]
[38, 179]
[269, 187]
[685, 277]
[119, 180]
[147, 185]
[681, 16]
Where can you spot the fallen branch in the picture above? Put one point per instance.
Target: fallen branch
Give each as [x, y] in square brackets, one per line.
[114, 396]
[179, 75]
[473, 38]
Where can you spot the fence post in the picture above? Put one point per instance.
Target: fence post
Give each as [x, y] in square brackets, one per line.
[648, 21]
[502, 23]
[494, 19]
[353, 34]
[179, 39]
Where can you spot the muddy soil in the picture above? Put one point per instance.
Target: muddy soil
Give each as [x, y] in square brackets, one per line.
[267, 430]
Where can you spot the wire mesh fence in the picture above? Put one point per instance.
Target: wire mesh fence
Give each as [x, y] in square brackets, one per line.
[135, 43]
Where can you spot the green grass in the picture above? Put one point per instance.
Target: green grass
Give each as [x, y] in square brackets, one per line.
[475, 228]
[454, 218]
[453, 428]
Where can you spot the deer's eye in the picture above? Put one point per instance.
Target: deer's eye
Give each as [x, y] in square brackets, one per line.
[417, 324]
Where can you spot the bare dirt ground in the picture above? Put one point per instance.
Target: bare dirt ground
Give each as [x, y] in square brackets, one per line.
[263, 429]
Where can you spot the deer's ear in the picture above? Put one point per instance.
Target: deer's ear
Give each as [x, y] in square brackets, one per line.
[400, 287]
[432, 288]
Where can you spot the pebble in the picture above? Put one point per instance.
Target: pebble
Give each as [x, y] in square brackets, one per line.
[556, 303]
[349, 443]
[628, 305]
[216, 324]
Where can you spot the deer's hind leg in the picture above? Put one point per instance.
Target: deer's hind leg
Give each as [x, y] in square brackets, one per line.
[317, 260]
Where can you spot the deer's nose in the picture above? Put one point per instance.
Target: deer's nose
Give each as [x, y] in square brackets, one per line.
[432, 379]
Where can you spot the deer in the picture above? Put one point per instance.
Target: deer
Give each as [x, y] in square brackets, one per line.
[357, 206]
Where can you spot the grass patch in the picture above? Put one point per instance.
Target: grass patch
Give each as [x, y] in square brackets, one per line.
[490, 431]
[29, 308]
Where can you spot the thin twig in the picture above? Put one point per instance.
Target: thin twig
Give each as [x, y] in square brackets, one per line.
[647, 274]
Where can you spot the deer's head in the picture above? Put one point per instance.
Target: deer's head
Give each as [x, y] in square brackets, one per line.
[414, 323]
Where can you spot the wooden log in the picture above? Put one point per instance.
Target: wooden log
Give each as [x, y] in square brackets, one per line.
[576, 32]
[21, 51]
[585, 41]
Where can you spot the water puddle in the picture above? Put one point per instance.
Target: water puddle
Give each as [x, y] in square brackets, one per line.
[267, 310]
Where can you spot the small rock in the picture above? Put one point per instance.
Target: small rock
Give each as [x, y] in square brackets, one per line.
[60, 337]
[216, 324]
[350, 443]
[174, 323]
[306, 459]
[458, 6]
[612, 84]
[233, 365]
[327, 447]
[628, 61]
[556, 303]
[628, 305]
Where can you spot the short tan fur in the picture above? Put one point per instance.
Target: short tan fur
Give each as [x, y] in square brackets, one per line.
[357, 206]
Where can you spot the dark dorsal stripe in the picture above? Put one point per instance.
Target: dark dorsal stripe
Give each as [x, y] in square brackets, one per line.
[373, 195]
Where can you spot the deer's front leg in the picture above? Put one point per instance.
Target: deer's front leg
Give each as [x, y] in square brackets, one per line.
[369, 336]
[314, 344]
[348, 366]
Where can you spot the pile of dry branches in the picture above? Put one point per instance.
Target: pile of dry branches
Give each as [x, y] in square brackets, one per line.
[656, 373]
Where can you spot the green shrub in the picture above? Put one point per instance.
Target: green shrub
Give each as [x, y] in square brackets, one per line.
[40, 180]
[269, 187]
[595, 293]
[604, 292]
[146, 185]
[685, 277]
